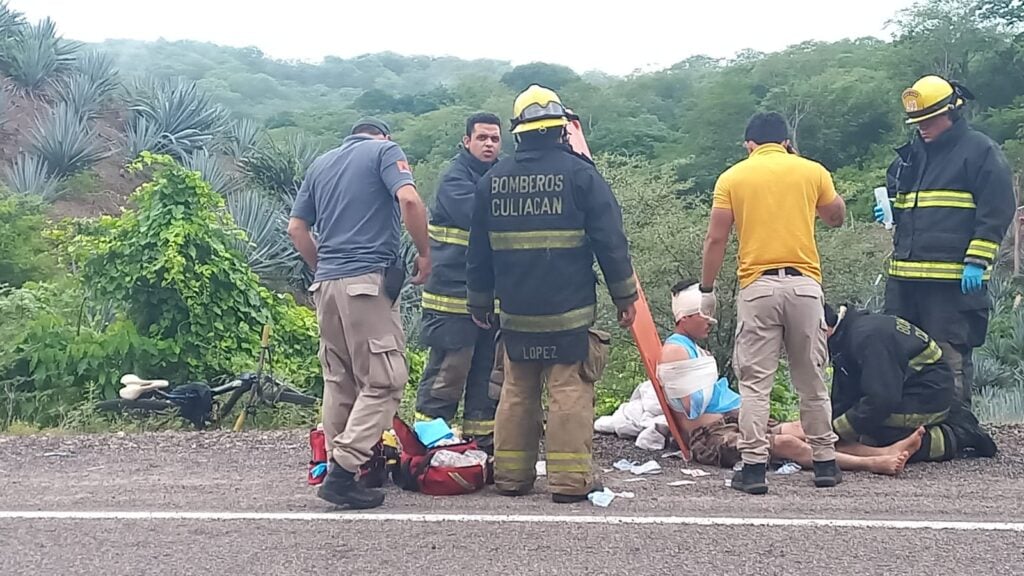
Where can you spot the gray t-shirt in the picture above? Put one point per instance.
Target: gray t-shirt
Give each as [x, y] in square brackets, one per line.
[349, 197]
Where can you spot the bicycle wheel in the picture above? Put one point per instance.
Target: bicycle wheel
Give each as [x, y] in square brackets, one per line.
[145, 405]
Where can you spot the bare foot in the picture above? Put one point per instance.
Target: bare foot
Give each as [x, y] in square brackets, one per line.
[910, 444]
[889, 465]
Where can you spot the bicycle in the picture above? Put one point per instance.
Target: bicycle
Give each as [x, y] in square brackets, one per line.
[195, 401]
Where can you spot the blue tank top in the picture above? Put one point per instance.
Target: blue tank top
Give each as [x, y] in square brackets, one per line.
[720, 400]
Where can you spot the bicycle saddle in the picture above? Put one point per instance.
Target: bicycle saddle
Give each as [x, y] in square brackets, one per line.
[133, 386]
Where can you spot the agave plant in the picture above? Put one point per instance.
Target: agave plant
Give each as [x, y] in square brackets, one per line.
[140, 134]
[37, 56]
[411, 294]
[265, 220]
[185, 117]
[281, 167]
[29, 175]
[212, 168]
[12, 24]
[99, 68]
[88, 87]
[245, 135]
[66, 142]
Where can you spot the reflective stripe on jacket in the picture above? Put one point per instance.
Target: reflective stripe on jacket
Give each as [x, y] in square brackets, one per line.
[952, 202]
[540, 218]
[887, 373]
[450, 218]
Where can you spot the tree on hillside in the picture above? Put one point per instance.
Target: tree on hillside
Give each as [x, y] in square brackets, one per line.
[553, 76]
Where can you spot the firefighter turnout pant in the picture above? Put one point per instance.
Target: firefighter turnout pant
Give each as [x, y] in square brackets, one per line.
[457, 373]
[362, 354]
[520, 422]
[947, 434]
[957, 322]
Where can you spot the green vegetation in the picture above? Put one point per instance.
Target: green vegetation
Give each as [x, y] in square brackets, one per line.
[220, 139]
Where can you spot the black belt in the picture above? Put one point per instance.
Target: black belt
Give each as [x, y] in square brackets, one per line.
[778, 272]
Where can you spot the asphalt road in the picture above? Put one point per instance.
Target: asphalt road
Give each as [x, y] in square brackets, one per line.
[878, 525]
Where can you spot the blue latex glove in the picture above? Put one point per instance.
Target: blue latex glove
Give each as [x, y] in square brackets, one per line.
[879, 214]
[972, 278]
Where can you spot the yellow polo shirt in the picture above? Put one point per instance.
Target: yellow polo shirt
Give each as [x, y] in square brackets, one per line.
[773, 196]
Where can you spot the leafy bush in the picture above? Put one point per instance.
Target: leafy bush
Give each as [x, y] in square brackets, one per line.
[37, 55]
[23, 251]
[49, 353]
[66, 142]
[184, 118]
[28, 175]
[173, 267]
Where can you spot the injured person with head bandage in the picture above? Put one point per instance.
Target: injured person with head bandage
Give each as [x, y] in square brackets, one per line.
[710, 409]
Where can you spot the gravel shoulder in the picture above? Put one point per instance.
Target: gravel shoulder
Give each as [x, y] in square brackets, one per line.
[264, 471]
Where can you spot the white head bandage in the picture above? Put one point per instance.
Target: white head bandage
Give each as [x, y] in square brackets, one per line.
[686, 303]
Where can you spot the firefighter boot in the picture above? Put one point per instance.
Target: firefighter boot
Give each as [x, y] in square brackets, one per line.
[341, 489]
[750, 479]
[827, 474]
[969, 437]
[574, 498]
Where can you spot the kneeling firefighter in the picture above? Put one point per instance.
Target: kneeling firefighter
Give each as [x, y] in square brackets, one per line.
[890, 380]
[539, 219]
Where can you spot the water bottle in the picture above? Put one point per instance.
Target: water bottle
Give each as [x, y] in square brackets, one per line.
[882, 198]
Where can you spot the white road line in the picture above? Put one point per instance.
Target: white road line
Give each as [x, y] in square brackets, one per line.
[516, 519]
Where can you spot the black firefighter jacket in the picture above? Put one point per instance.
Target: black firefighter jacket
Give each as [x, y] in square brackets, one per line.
[539, 220]
[887, 373]
[952, 203]
[446, 321]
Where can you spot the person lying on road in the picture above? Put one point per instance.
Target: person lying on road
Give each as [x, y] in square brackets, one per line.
[710, 408]
[889, 380]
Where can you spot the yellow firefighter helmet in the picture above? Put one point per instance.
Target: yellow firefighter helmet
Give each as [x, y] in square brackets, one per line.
[932, 96]
[537, 108]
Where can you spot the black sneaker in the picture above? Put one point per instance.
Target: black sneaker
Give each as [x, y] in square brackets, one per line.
[827, 474]
[341, 489]
[750, 479]
[574, 498]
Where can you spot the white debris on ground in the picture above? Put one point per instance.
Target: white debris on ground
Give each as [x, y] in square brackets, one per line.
[641, 417]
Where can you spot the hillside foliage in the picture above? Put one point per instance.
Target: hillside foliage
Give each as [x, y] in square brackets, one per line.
[221, 139]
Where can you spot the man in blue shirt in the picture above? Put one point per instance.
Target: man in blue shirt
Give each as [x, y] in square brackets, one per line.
[353, 197]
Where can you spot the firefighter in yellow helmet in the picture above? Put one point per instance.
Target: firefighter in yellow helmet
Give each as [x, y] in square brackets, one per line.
[952, 197]
[539, 220]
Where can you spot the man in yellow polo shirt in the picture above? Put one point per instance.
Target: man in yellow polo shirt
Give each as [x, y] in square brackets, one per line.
[772, 197]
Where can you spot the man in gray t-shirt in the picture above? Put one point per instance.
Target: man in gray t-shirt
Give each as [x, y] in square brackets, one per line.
[354, 196]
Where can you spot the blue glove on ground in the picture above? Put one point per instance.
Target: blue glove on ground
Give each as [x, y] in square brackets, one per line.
[879, 214]
[972, 278]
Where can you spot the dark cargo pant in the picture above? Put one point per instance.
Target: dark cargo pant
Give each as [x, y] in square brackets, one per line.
[452, 374]
[957, 322]
[519, 422]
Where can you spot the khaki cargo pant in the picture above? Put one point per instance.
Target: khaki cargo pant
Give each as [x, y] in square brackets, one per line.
[519, 421]
[776, 313]
[362, 353]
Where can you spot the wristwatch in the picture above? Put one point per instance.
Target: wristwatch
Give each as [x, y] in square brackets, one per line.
[704, 290]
